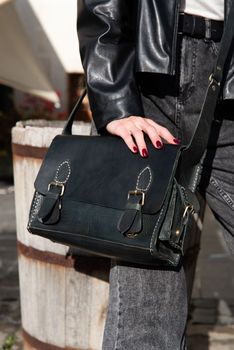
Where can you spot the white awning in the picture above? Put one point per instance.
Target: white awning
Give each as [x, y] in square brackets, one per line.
[19, 68]
[58, 20]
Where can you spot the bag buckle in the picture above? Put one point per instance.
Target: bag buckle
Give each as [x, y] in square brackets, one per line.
[138, 193]
[189, 207]
[213, 80]
[57, 184]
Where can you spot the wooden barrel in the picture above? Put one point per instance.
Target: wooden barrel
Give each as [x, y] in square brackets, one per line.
[63, 300]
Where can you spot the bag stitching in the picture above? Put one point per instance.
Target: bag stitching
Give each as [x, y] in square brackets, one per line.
[139, 176]
[66, 162]
[154, 231]
[194, 185]
[34, 210]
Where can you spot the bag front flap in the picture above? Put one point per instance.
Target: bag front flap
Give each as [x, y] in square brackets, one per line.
[101, 170]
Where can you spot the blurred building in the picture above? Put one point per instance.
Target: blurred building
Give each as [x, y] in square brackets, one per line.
[51, 29]
[39, 55]
[39, 50]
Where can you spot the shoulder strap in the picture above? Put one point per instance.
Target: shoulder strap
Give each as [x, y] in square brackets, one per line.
[194, 151]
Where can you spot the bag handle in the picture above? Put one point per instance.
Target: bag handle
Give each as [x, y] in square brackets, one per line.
[67, 130]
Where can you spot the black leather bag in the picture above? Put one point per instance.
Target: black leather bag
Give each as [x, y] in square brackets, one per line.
[92, 192]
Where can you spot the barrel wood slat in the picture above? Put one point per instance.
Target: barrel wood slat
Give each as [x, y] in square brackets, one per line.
[63, 301]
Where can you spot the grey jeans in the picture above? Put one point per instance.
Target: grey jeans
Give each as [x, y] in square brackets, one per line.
[148, 308]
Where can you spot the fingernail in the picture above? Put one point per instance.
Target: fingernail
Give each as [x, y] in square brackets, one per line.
[159, 144]
[176, 141]
[145, 152]
[135, 149]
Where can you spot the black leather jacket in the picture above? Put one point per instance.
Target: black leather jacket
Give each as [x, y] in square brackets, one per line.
[121, 37]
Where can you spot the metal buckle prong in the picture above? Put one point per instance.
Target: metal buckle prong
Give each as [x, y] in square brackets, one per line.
[213, 80]
[57, 184]
[189, 207]
[138, 193]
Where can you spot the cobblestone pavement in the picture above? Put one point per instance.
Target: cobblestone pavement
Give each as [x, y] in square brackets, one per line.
[212, 319]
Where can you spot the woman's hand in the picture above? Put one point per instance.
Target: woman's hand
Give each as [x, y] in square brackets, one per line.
[132, 130]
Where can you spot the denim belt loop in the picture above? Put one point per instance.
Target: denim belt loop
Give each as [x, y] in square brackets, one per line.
[208, 29]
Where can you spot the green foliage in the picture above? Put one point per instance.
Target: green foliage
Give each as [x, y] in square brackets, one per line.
[8, 343]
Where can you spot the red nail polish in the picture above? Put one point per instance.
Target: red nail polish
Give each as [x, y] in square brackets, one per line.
[159, 144]
[176, 141]
[135, 149]
[145, 152]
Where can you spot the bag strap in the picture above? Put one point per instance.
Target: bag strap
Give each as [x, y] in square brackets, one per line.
[199, 140]
[193, 152]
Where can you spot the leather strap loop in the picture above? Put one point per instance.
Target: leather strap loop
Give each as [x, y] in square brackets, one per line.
[131, 219]
[49, 212]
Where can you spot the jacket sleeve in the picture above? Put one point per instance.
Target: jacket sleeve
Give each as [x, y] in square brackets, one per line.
[107, 48]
